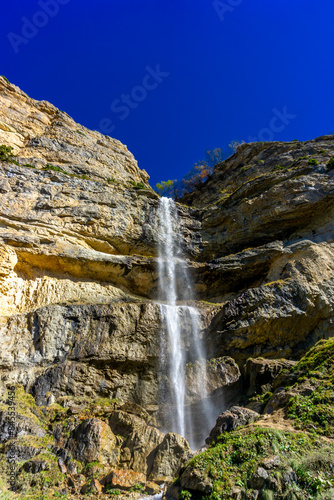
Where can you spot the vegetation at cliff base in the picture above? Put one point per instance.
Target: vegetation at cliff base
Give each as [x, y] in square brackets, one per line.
[290, 464]
[314, 410]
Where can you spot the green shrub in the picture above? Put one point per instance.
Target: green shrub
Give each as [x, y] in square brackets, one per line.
[137, 185]
[53, 167]
[6, 153]
[313, 161]
[5, 78]
[185, 495]
[330, 164]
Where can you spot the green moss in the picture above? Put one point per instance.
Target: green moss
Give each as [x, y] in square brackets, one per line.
[313, 161]
[25, 406]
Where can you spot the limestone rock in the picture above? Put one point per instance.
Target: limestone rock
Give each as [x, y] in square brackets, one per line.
[35, 466]
[258, 479]
[140, 440]
[123, 479]
[231, 419]
[93, 486]
[194, 479]
[152, 488]
[93, 440]
[260, 374]
[171, 453]
[19, 426]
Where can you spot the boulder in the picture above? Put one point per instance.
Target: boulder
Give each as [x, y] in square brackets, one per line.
[258, 479]
[232, 419]
[171, 453]
[93, 440]
[35, 466]
[193, 479]
[92, 486]
[123, 479]
[19, 426]
[140, 440]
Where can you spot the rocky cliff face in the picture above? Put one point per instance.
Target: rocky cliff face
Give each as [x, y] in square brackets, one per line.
[79, 328]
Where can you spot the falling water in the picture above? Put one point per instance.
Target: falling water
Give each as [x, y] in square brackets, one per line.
[180, 328]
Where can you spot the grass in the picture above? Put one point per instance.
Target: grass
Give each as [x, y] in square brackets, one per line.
[58, 169]
[137, 185]
[237, 455]
[280, 167]
[315, 412]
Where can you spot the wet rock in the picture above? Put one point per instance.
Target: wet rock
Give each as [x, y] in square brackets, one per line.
[152, 488]
[171, 453]
[231, 419]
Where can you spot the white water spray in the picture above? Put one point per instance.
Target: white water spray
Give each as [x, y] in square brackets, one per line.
[180, 328]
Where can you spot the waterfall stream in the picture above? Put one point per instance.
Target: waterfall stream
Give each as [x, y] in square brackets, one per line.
[181, 343]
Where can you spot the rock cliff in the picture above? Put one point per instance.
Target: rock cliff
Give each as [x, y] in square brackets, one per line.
[79, 327]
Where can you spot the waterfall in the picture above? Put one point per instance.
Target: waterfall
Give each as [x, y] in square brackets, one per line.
[181, 342]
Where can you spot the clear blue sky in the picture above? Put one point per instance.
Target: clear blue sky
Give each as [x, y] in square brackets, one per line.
[228, 69]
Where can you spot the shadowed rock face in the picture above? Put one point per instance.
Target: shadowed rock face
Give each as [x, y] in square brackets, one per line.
[78, 273]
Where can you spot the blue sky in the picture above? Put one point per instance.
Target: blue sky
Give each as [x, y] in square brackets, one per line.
[173, 78]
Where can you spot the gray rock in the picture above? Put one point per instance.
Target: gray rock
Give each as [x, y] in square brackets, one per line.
[231, 419]
[171, 453]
